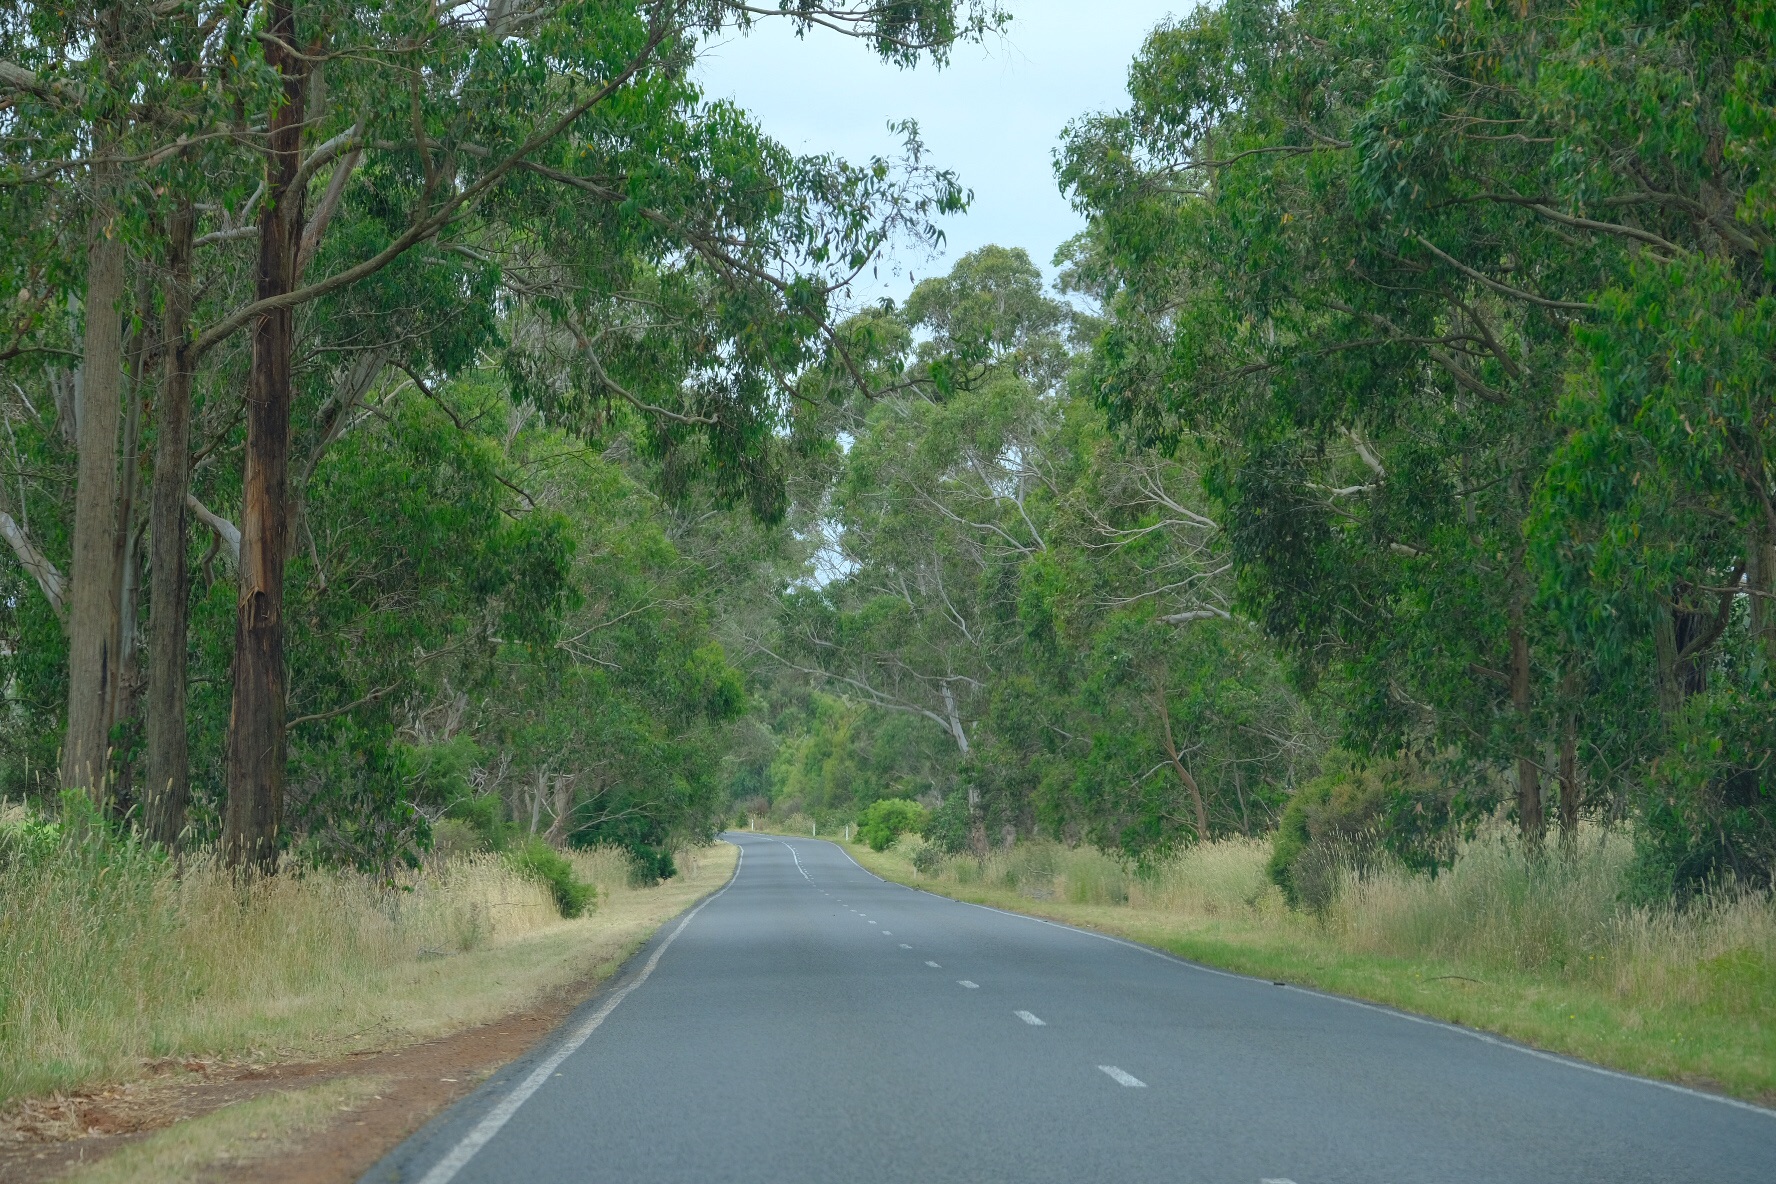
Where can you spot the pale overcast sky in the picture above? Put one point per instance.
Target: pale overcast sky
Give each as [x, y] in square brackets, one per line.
[994, 114]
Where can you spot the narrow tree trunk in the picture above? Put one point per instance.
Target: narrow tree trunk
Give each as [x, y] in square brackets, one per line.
[168, 791]
[93, 607]
[1569, 761]
[1190, 785]
[1529, 780]
[256, 725]
[957, 732]
[1761, 577]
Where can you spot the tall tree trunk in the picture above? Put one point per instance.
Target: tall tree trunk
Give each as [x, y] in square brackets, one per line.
[1529, 773]
[93, 607]
[168, 791]
[256, 725]
[1569, 760]
[126, 681]
[1190, 785]
[1761, 578]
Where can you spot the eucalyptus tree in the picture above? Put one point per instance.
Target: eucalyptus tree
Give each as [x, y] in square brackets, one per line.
[409, 125]
[1416, 274]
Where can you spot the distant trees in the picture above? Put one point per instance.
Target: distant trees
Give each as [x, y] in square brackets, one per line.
[1051, 601]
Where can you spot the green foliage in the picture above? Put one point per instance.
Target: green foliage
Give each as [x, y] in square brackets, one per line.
[1472, 308]
[888, 819]
[547, 866]
[649, 865]
[947, 827]
[1354, 813]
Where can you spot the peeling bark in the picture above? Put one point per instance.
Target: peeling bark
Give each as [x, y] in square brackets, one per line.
[254, 813]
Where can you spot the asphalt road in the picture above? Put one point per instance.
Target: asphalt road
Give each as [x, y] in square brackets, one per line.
[812, 1023]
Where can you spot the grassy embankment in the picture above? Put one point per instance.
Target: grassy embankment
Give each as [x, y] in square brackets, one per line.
[1542, 951]
[111, 962]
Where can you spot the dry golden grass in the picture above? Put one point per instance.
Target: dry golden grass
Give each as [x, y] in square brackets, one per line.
[107, 961]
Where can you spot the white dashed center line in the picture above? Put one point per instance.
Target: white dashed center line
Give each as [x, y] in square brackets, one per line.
[1277, 1180]
[904, 946]
[971, 986]
[1030, 1019]
[885, 933]
[934, 966]
[1121, 1078]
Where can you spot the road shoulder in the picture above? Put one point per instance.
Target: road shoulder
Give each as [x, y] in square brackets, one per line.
[268, 1120]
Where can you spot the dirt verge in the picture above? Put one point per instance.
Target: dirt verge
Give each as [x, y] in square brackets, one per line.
[43, 1138]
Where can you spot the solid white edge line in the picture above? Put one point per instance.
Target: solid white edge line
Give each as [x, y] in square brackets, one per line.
[478, 1137]
[1483, 1037]
[1121, 1077]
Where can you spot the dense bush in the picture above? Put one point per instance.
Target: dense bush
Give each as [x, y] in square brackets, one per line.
[542, 863]
[1354, 812]
[649, 865]
[888, 819]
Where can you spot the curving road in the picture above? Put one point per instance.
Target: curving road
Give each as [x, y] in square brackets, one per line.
[812, 1023]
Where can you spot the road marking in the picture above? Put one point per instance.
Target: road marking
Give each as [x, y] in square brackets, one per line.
[971, 986]
[1456, 1029]
[1275, 1180]
[1030, 1019]
[934, 966]
[478, 1137]
[904, 946]
[875, 922]
[1121, 1078]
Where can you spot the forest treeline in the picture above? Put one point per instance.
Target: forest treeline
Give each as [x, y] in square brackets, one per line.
[477, 444]
[1401, 457]
[391, 392]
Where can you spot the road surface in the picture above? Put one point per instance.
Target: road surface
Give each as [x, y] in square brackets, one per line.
[812, 1023]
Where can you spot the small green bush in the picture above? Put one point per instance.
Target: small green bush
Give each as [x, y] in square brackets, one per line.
[542, 863]
[888, 819]
[928, 859]
[649, 865]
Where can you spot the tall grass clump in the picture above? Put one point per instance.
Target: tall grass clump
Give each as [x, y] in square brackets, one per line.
[1568, 914]
[110, 953]
[1211, 879]
[1564, 914]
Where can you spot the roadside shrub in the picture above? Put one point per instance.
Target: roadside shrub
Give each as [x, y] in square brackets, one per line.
[1354, 814]
[947, 826]
[928, 858]
[549, 867]
[888, 819]
[1709, 815]
[649, 865]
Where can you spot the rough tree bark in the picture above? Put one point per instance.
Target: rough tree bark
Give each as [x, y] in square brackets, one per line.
[169, 782]
[256, 724]
[93, 607]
